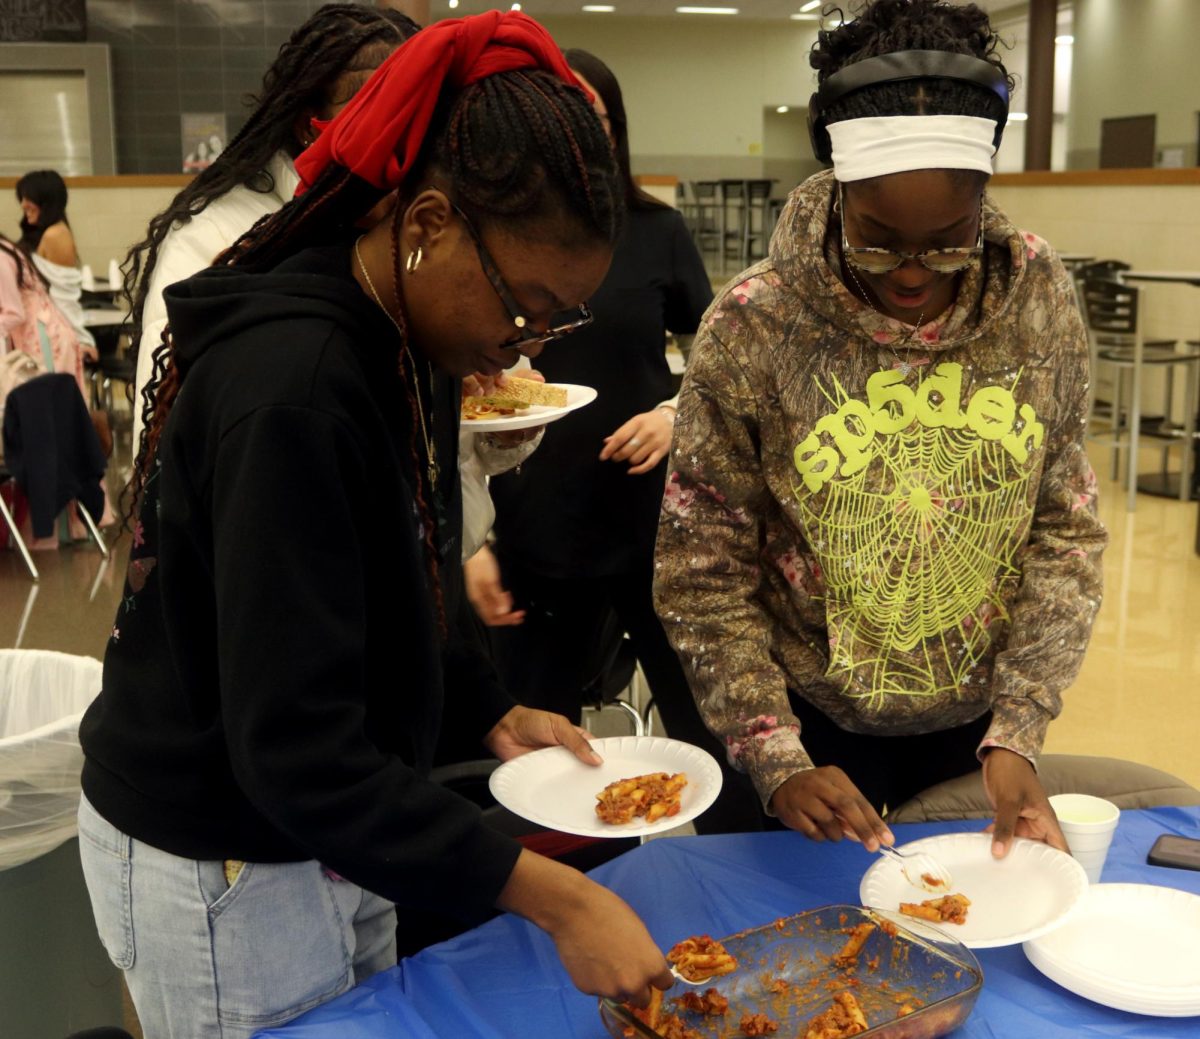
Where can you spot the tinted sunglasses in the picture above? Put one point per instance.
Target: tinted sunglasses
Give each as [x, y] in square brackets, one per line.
[881, 261]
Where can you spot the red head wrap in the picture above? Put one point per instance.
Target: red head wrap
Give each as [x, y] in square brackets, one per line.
[380, 132]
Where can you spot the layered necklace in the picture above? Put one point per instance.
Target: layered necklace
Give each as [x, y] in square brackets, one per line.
[430, 447]
[904, 365]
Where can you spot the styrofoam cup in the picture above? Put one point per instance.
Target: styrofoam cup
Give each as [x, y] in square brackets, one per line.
[1088, 823]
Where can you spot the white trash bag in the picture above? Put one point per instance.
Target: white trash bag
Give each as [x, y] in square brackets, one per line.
[42, 697]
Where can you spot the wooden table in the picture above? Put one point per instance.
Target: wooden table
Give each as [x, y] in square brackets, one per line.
[103, 317]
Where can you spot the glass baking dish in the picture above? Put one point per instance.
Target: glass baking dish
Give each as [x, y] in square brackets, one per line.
[904, 965]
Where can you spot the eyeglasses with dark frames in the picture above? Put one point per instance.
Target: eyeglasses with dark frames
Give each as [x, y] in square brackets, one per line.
[562, 324]
[881, 261]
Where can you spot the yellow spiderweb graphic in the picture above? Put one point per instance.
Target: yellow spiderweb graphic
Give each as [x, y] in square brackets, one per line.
[915, 548]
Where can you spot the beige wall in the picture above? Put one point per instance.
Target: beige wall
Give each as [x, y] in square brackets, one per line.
[1149, 227]
[696, 89]
[106, 220]
[1154, 228]
[1134, 57]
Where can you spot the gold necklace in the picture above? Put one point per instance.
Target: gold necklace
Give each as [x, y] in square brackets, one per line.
[903, 365]
[430, 447]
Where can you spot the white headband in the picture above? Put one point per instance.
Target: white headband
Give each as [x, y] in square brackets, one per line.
[875, 146]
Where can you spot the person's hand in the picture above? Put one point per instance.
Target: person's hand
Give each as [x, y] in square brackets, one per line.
[1022, 808]
[643, 441]
[90, 353]
[823, 803]
[603, 945]
[519, 373]
[479, 385]
[524, 729]
[514, 437]
[486, 592]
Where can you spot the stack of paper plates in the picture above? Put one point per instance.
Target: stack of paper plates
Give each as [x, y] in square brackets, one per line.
[1129, 946]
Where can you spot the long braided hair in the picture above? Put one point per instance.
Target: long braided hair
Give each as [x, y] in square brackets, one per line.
[336, 49]
[514, 147]
[887, 26]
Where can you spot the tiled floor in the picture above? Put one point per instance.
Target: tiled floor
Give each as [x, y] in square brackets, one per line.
[1138, 694]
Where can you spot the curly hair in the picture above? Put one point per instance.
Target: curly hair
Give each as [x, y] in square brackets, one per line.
[887, 26]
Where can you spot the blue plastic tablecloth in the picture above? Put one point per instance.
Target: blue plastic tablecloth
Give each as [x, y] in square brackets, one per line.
[504, 980]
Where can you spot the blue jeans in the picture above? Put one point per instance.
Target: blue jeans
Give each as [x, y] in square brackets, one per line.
[204, 959]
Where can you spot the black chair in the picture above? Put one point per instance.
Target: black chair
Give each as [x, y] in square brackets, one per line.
[1112, 314]
[49, 410]
[709, 230]
[613, 667]
[759, 225]
[115, 364]
[11, 523]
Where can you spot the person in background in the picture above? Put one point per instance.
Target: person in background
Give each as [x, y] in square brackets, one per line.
[47, 240]
[29, 319]
[314, 76]
[879, 557]
[575, 525]
[255, 792]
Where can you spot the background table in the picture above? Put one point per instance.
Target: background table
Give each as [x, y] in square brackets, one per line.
[504, 980]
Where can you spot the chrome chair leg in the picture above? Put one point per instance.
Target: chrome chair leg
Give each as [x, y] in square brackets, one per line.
[16, 535]
[1188, 461]
[630, 710]
[93, 530]
[648, 717]
[29, 601]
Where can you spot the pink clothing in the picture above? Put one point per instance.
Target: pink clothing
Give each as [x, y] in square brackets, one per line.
[24, 307]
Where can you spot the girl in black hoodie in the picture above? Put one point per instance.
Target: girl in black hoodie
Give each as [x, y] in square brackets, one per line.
[255, 791]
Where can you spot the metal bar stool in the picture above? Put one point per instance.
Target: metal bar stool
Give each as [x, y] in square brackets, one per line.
[758, 225]
[734, 223]
[1114, 331]
[709, 230]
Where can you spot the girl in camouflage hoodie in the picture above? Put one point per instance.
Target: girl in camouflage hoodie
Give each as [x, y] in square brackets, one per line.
[879, 558]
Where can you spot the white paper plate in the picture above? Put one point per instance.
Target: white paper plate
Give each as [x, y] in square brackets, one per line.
[1030, 891]
[554, 788]
[1133, 947]
[535, 414]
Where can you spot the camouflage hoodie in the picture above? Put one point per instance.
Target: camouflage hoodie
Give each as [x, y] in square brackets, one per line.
[896, 523]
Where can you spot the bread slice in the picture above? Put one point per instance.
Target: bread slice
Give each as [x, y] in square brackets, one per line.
[533, 392]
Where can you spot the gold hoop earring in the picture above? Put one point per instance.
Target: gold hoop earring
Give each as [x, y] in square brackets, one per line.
[414, 260]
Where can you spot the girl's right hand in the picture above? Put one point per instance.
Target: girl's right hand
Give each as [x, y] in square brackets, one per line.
[824, 803]
[604, 947]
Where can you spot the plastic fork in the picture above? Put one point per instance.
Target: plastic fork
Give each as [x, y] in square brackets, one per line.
[688, 981]
[921, 869]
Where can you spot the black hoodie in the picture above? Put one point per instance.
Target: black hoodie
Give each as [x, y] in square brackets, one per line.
[273, 684]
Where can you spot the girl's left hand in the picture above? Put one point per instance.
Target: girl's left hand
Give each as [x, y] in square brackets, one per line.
[643, 441]
[524, 729]
[479, 385]
[1022, 808]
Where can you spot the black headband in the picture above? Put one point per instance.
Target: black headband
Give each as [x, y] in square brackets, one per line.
[898, 67]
